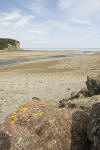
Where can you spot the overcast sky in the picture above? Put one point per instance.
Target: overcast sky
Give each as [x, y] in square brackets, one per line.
[51, 23]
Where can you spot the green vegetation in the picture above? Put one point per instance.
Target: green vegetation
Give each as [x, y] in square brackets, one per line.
[4, 42]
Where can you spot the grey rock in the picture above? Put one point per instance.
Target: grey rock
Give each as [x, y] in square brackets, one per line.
[93, 85]
[85, 103]
[93, 130]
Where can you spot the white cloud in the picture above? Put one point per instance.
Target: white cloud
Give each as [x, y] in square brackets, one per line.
[86, 10]
[15, 19]
[61, 25]
[39, 31]
[23, 20]
[80, 21]
[63, 4]
[37, 6]
[11, 16]
[22, 28]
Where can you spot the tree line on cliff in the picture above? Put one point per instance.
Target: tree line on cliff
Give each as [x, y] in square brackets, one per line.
[5, 41]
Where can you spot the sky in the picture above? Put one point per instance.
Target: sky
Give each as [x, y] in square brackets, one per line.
[51, 23]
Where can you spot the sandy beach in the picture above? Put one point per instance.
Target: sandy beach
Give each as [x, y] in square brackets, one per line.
[45, 79]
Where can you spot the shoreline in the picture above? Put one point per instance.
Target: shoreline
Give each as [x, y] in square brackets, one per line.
[15, 55]
[36, 59]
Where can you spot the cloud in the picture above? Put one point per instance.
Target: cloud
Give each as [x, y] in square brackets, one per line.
[79, 10]
[15, 19]
[80, 21]
[21, 26]
[23, 21]
[39, 31]
[52, 23]
[61, 25]
[11, 16]
[63, 4]
[36, 6]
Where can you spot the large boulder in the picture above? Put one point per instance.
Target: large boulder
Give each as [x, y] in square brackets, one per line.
[41, 126]
[85, 103]
[93, 85]
[93, 130]
[84, 92]
[79, 138]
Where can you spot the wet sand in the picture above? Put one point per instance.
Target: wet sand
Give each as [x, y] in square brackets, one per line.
[22, 54]
[46, 79]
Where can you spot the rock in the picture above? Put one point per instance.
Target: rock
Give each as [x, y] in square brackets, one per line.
[85, 103]
[93, 85]
[35, 98]
[81, 94]
[62, 103]
[71, 105]
[66, 103]
[84, 92]
[73, 95]
[40, 126]
[93, 131]
[79, 131]
[5, 143]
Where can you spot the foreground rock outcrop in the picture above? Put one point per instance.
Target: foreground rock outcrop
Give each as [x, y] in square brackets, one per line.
[86, 97]
[40, 126]
[93, 85]
[85, 103]
[93, 129]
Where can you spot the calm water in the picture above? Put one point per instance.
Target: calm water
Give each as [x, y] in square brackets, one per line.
[4, 63]
[59, 49]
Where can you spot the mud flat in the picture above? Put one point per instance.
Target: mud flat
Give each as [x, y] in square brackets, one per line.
[22, 54]
[46, 79]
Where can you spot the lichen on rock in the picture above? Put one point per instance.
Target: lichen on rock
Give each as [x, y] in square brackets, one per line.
[41, 126]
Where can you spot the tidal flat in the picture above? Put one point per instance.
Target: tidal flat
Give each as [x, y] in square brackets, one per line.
[45, 79]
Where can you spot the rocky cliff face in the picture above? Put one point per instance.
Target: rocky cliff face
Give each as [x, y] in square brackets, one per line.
[9, 44]
[13, 47]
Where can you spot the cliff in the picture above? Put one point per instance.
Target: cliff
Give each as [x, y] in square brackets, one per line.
[9, 44]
